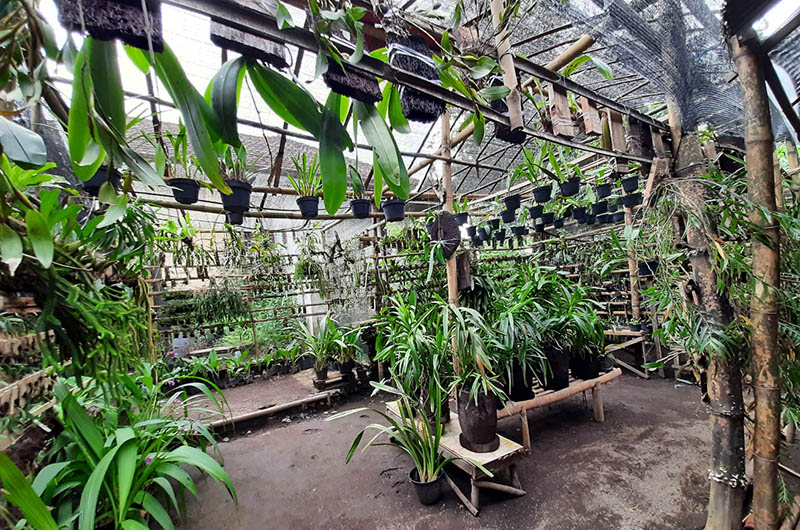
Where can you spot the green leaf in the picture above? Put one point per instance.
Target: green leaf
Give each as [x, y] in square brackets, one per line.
[331, 157]
[107, 193]
[483, 67]
[131, 524]
[493, 93]
[283, 16]
[126, 468]
[396, 117]
[224, 95]
[602, 67]
[199, 459]
[41, 240]
[165, 485]
[177, 473]
[10, 248]
[115, 212]
[288, 100]
[138, 58]
[160, 159]
[480, 127]
[155, 509]
[101, 57]
[574, 65]
[20, 493]
[194, 111]
[22, 145]
[46, 476]
[392, 167]
[77, 416]
[377, 176]
[91, 492]
[85, 153]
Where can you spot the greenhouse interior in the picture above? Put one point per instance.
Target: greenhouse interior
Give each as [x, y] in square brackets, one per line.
[480, 264]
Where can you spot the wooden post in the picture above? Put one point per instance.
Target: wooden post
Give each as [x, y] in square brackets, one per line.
[560, 115]
[503, 43]
[761, 189]
[633, 271]
[778, 180]
[591, 117]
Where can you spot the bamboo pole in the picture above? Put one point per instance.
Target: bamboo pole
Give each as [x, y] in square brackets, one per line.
[761, 189]
[503, 44]
[777, 176]
[633, 271]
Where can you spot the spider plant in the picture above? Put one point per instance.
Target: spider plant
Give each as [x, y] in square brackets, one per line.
[308, 181]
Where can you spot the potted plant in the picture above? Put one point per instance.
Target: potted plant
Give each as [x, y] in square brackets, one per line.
[494, 224]
[630, 184]
[512, 202]
[634, 199]
[548, 218]
[348, 348]
[461, 207]
[539, 228]
[599, 207]
[307, 184]
[528, 170]
[319, 346]
[180, 170]
[359, 204]
[472, 231]
[238, 176]
[602, 190]
[393, 210]
[507, 216]
[534, 212]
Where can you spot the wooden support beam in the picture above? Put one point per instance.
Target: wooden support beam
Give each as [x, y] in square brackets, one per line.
[503, 43]
[591, 117]
[617, 136]
[560, 115]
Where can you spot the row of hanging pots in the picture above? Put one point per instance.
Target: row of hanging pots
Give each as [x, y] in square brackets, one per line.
[393, 209]
[570, 187]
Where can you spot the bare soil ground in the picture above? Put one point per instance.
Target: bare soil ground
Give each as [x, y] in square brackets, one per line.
[644, 468]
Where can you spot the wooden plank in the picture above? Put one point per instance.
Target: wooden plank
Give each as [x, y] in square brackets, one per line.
[658, 170]
[591, 118]
[626, 344]
[559, 112]
[597, 404]
[658, 143]
[617, 137]
[463, 498]
[631, 368]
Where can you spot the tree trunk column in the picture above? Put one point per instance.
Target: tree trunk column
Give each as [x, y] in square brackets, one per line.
[761, 190]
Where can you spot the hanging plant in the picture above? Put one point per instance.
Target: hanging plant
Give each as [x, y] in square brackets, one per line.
[115, 19]
[359, 205]
[238, 177]
[307, 184]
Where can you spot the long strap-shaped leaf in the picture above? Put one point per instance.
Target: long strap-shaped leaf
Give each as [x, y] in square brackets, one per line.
[224, 95]
[388, 156]
[21, 494]
[289, 101]
[331, 156]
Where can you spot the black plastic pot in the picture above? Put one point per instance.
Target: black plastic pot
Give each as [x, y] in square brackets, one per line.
[185, 191]
[394, 210]
[570, 187]
[321, 375]
[648, 268]
[471, 231]
[635, 326]
[309, 207]
[239, 199]
[360, 208]
[478, 420]
[559, 365]
[346, 367]
[631, 200]
[558, 223]
[579, 212]
[462, 218]
[590, 219]
[92, 186]
[584, 367]
[603, 219]
[630, 184]
[234, 218]
[568, 212]
[548, 218]
[599, 207]
[539, 228]
[427, 492]
[520, 388]
[494, 224]
[602, 190]
[613, 206]
[483, 234]
[507, 216]
[477, 242]
[618, 217]
[535, 211]
[500, 235]
[542, 193]
[512, 202]
[519, 231]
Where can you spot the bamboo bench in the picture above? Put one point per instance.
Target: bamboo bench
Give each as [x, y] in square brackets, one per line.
[505, 457]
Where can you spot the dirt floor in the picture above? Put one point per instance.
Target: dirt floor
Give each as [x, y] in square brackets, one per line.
[644, 468]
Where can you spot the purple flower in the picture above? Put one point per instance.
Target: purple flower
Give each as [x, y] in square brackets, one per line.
[178, 401]
[93, 411]
[171, 382]
[148, 460]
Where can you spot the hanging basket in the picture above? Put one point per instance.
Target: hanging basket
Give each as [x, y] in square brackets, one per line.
[394, 210]
[548, 218]
[570, 187]
[599, 207]
[579, 212]
[602, 190]
[512, 202]
[535, 212]
[352, 84]
[115, 19]
[185, 191]
[234, 218]
[542, 193]
[558, 223]
[360, 208]
[630, 184]
[248, 44]
[445, 230]
[412, 54]
[309, 206]
[239, 199]
[507, 216]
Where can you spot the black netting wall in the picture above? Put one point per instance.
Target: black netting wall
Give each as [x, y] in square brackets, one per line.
[786, 58]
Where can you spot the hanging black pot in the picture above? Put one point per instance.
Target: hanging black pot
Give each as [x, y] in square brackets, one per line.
[309, 207]
[570, 187]
[648, 268]
[613, 205]
[631, 200]
[234, 218]
[93, 185]
[394, 210]
[635, 326]
[602, 190]
[582, 220]
[239, 199]
[558, 223]
[599, 207]
[618, 217]
[500, 235]
[346, 367]
[590, 219]
[477, 417]
[519, 231]
[512, 202]
[507, 216]
[412, 54]
[542, 193]
[568, 212]
[360, 208]
[427, 492]
[579, 212]
[477, 242]
[535, 211]
[118, 19]
[185, 191]
[603, 219]
[630, 184]
[483, 234]
[471, 230]
[559, 367]
[584, 367]
[539, 228]
[548, 218]
[462, 218]
[494, 224]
